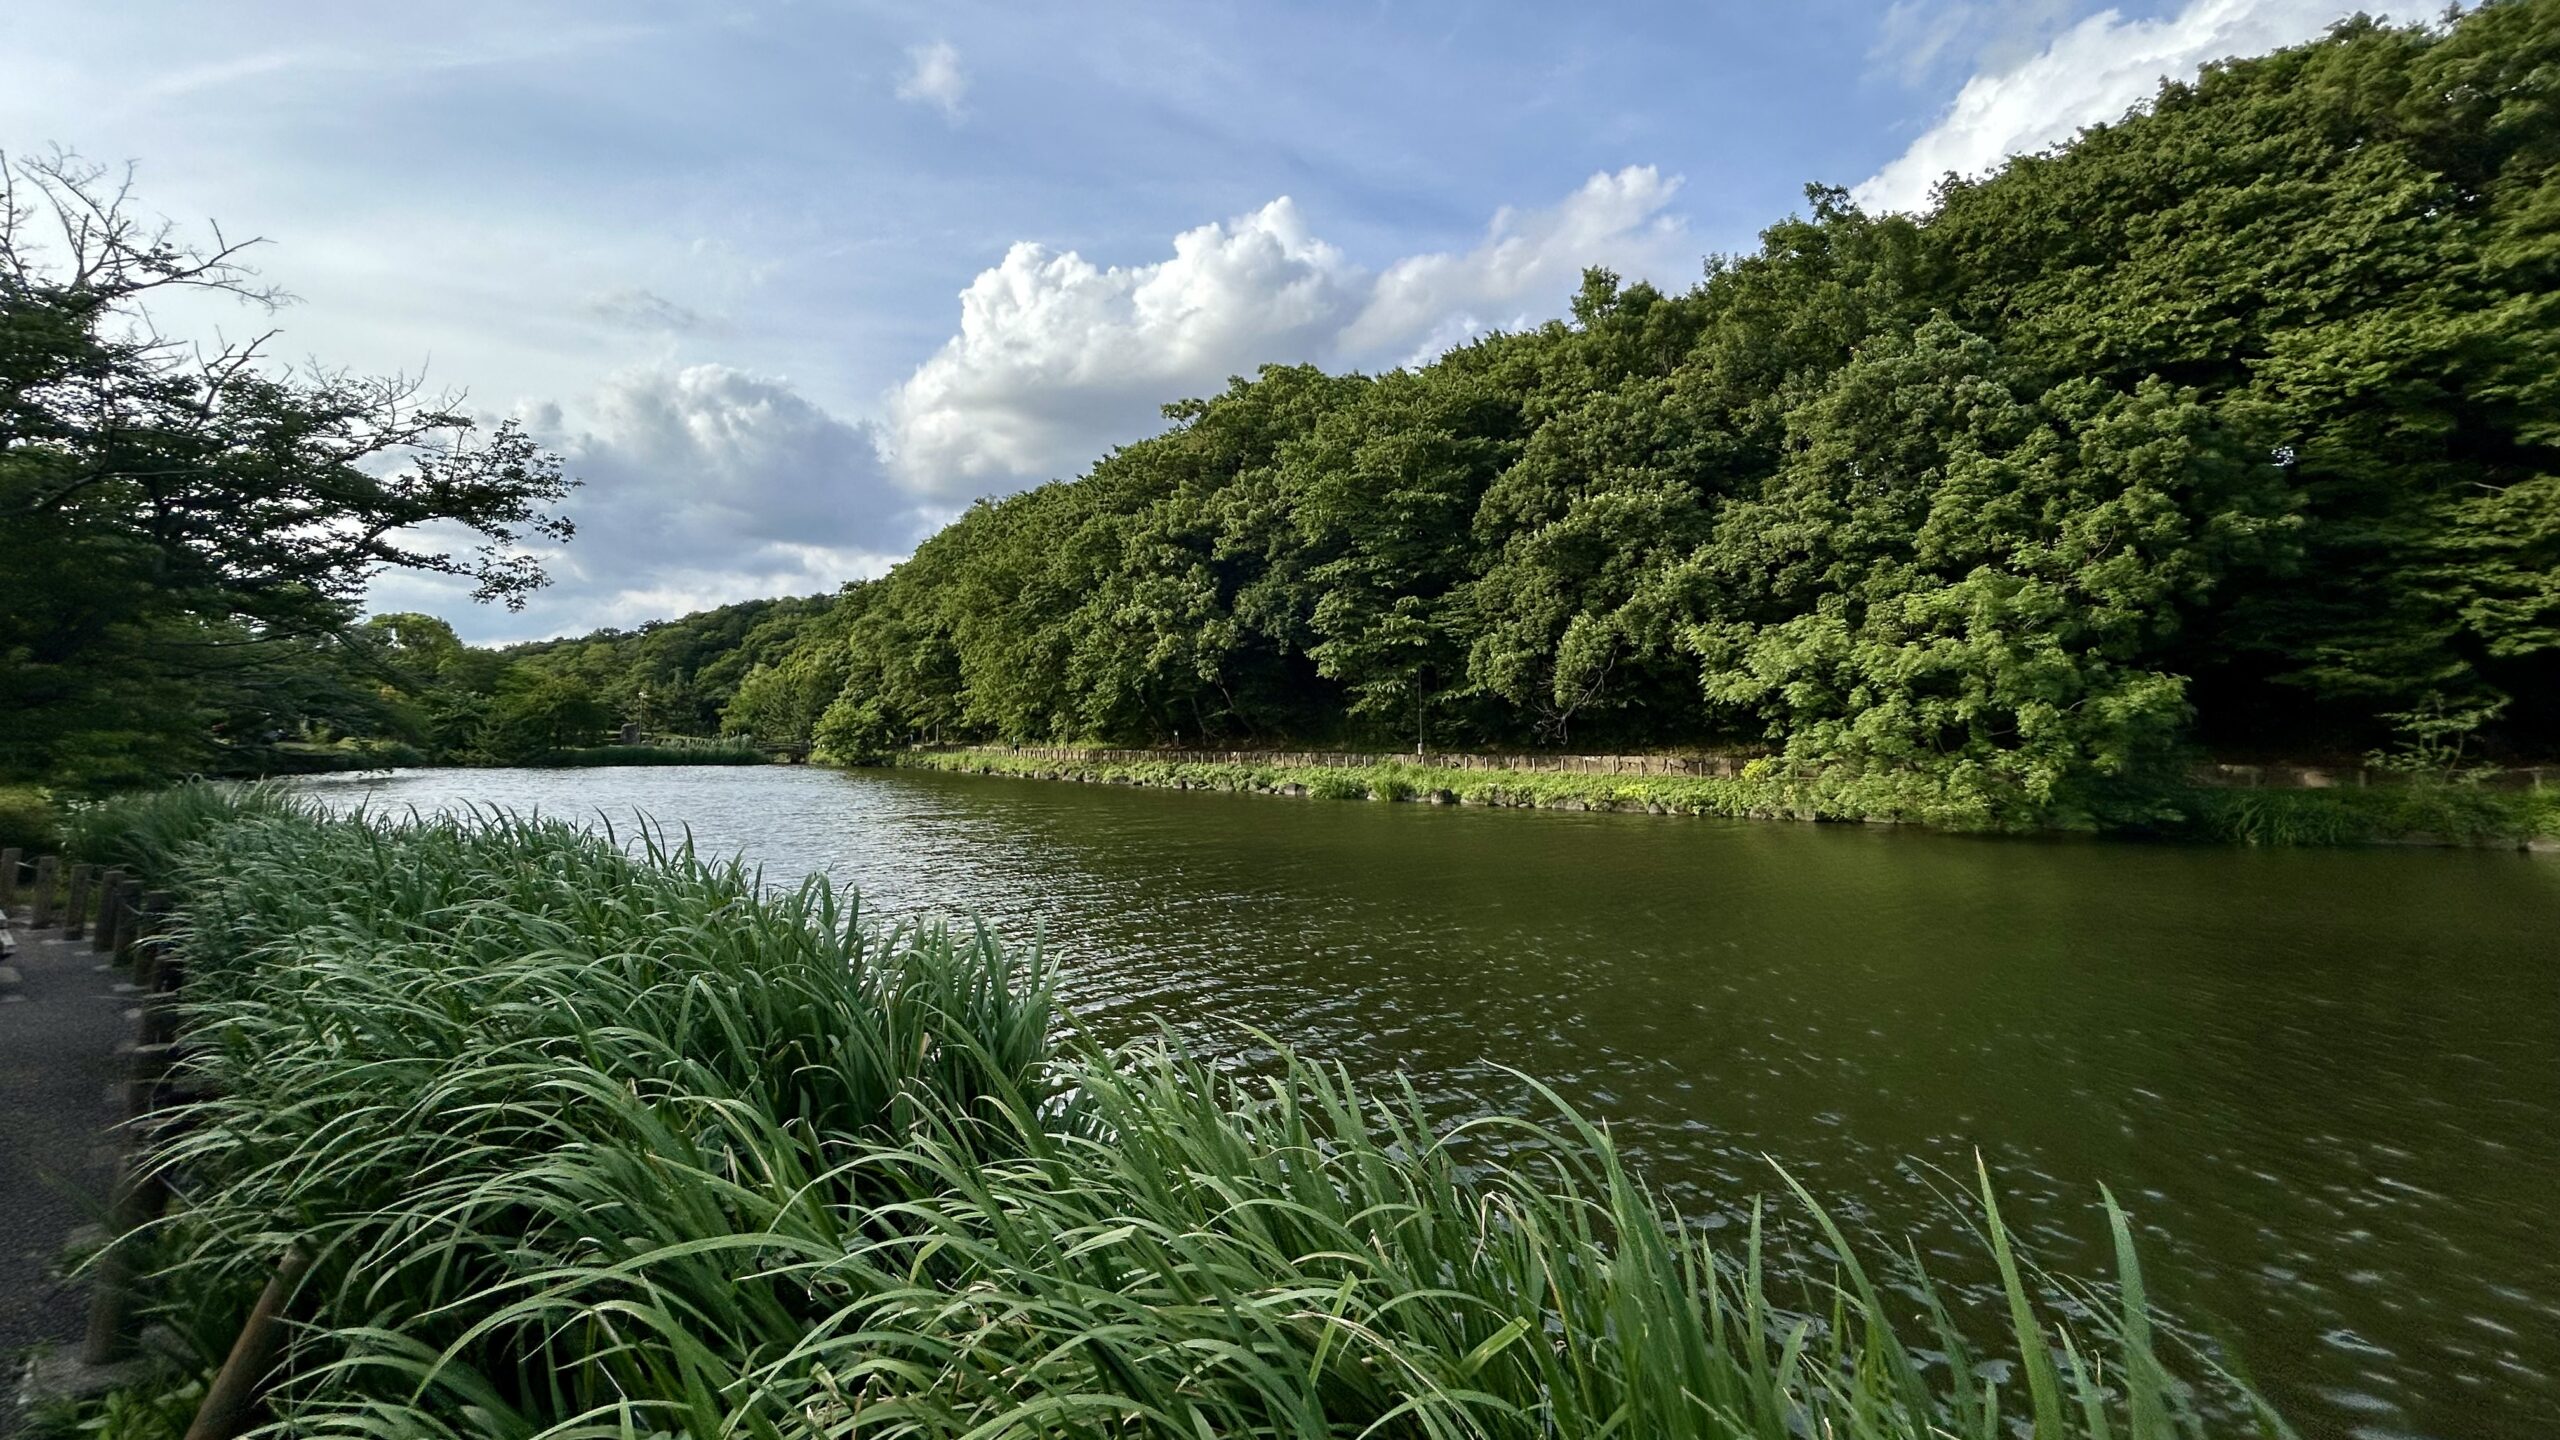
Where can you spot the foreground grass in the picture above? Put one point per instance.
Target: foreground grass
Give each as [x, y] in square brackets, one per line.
[2435, 813]
[588, 1142]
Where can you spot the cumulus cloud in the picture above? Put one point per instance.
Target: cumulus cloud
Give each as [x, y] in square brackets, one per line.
[2092, 72]
[1057, 358]
[1613, 220]
[933, 77]
[704, 485]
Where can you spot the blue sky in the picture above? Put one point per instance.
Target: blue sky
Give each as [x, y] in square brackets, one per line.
[791, 283]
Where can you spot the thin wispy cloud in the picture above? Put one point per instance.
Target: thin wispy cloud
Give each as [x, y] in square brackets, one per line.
[646, 310]
[1919, 41]
[933, 77]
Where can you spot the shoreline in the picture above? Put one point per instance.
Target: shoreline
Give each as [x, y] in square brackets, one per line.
[811, 1137]
[2436, 814]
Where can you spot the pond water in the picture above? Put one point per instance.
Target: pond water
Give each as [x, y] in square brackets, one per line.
[2326, 1083]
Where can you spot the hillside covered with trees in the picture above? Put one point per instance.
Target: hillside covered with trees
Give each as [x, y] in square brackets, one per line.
[2234, 425]
[2229, 428]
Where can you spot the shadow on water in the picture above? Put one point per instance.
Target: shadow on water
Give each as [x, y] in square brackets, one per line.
[2326, 1082]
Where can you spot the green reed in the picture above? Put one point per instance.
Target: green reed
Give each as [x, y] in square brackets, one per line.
[146, 831]
[589, 1135]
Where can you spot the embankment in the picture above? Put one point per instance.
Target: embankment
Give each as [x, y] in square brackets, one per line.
[2260, 805]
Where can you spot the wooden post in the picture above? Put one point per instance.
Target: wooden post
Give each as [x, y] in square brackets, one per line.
[75, 903]
[150, 1069]
[226, 1408]
[9, 861]
[147, 940]
[140, 1192]
[48, 871]
[115, 927]
[110, 899]
[159, 1020]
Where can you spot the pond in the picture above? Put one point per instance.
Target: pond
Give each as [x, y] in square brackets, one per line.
[2325, 1083]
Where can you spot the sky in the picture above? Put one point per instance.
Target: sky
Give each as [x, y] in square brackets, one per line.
[788, 285]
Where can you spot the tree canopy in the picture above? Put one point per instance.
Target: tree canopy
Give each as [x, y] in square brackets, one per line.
[2233, 424]
[184, 527]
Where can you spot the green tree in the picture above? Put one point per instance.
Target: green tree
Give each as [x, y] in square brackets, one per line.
[780, 704]
[538, 716]
[173, 525]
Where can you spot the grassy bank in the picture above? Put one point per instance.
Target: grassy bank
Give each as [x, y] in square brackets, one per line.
[2410, 813]
[2420, 812]
[705, 753]
[1739, 798]
[590, 1142]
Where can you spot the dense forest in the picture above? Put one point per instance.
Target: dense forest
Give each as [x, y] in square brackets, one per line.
[2232, 427]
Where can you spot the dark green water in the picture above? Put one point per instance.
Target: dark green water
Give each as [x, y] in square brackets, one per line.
[2327, 1083]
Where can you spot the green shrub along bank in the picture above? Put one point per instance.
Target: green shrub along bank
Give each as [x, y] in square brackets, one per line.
[2419, 811]
[2440, 812]
[29, 820]
[597, 1139]
[1738, 798]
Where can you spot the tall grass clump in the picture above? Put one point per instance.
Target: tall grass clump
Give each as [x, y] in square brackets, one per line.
[588, 1138]
[2417, 810]
[148, 832]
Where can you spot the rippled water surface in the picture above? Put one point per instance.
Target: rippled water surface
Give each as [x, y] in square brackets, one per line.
[2327, 1084]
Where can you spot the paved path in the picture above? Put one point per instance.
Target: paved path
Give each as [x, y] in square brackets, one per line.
[59, 1029]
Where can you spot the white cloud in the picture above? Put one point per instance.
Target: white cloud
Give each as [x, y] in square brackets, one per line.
[706, 484]
[703, 485]
[934, 77]
[1613, 220]
[2091, 73]
[1057, 358]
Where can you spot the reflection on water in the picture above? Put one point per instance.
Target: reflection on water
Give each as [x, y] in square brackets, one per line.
[2326, 1083]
